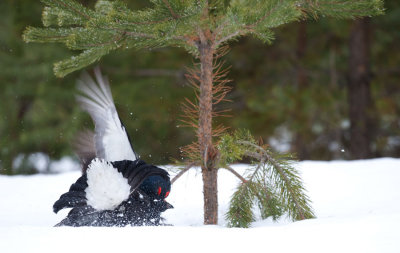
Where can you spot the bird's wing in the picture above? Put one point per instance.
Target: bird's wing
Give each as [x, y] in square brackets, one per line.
[111, 139]
[102, 187]
[137, 171]
[83, 145]
[76, 195]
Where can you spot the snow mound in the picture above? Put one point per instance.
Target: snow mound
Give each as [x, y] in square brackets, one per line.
[107, 187]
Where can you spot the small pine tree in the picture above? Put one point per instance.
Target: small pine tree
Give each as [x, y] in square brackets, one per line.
[202, 27]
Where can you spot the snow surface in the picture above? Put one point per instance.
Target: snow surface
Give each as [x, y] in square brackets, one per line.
[357, 204]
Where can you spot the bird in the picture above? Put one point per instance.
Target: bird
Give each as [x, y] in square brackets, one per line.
[116, 187]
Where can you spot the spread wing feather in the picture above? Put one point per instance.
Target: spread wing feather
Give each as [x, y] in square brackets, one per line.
[111, 139]
[84, 146]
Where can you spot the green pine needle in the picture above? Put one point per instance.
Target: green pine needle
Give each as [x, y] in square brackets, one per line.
[73, 7]
[86, 58]
[240, 213]
[43, 35]
[272, 182]
[53, 16]
[176, 23]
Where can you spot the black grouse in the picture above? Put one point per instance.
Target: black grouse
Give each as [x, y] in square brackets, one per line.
[116, 188]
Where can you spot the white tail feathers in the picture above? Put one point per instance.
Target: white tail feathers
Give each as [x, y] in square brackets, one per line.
[107, 188]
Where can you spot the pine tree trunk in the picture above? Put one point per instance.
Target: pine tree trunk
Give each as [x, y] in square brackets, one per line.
[359, 94]
[14, 131]
[209, 170]
[301, 144]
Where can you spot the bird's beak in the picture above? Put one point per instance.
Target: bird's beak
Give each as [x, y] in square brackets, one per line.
[168, 205]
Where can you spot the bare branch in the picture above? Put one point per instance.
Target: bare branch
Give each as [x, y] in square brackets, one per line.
[190, 165]
[234, 172]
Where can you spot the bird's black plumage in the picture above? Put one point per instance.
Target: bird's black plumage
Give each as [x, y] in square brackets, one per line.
[76, 195]
[136, 211]
[139, 173]
[149, 184]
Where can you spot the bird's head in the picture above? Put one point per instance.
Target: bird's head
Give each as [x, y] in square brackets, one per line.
[156, 187]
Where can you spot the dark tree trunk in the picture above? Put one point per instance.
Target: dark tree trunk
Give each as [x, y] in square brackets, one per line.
[359, 94]
[301, 145]
[300, 53]
[6, 164]
[207, 150]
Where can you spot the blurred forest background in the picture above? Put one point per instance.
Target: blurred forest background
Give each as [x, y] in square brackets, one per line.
[324, 89]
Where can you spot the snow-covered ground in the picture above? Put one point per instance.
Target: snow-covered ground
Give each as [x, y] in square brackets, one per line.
[357, 204]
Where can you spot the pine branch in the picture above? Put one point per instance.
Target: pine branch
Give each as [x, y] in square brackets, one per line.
[288, 180]
[182, 171]
[71, 6]
[171, 10]
[268, 202]
[84, 59]
[267, 14]
[180, 23]
[43, 35]
[272, 181]
[112, 25]
[229, 37]
[230, 169]
[138, 35]
[56, 16]
[240, 207]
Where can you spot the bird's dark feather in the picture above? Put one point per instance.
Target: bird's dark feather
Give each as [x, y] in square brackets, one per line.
[83, 145]
[142, 208]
